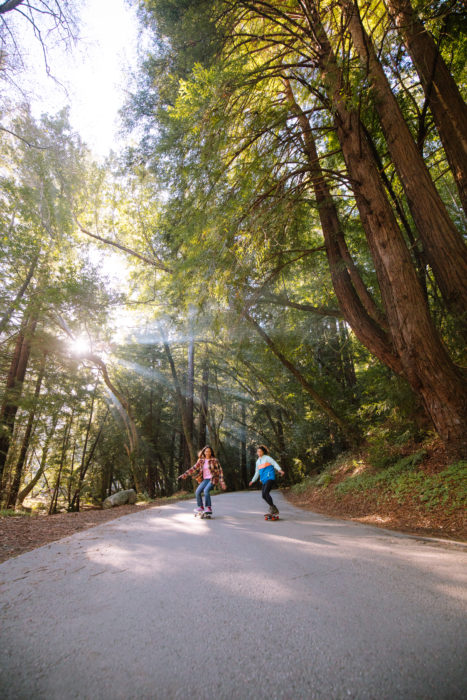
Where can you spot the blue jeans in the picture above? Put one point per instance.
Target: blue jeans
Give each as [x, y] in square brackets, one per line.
[206, 486]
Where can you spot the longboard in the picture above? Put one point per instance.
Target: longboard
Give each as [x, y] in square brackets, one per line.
[271, 517]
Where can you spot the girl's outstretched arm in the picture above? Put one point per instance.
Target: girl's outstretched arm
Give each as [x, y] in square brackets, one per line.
[255, 476]
[276, 466]
[188, 472]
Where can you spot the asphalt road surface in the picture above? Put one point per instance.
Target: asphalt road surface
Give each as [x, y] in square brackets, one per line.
[162, 605]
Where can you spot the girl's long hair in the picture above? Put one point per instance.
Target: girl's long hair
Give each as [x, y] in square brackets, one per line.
[201, 452]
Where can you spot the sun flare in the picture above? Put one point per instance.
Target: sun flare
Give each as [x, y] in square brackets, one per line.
[80, 345]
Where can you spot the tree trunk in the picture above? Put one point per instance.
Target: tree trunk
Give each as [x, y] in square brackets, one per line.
[106, 479]
[181, 454]
[347, 360]
[70, 478]
[124, 409]
[43, 463]
[171, 468]
[203, 406]
[12, 496]
[445, 250]
[9, 312]
[66, 437]
[190, 389]
[425, 361]
[348, 431]
[151, 478]
[356, 311]
[444, 98]
[243, 454]
[283, 457]
[152, 432]
[90, 458]
[75, 501]
[187, 431]
[14, 387]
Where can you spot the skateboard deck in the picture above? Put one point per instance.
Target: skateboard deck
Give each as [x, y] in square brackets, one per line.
[269, 516]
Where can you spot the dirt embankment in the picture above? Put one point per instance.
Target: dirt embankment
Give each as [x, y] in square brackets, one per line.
[419, 492]
[405, 517]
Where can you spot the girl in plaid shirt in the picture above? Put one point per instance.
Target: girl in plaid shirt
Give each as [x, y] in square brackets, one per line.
[208, 473]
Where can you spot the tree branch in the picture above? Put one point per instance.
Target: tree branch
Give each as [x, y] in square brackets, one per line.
[21, 138]
[280, 300]
[124, 248]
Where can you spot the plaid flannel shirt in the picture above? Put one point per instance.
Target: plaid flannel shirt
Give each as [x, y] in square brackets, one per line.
[197, 471]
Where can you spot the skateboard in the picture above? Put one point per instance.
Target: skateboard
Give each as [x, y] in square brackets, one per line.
[208, 516]
[269, 516]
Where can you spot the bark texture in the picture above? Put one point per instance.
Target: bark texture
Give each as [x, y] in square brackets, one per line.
[431, 218]
[425, 361]
[445, 101]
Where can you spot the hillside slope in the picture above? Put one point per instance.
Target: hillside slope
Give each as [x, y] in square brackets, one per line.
[413, 489]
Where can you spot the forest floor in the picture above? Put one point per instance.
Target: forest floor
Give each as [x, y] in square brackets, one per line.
[23, 532]
[418, 492]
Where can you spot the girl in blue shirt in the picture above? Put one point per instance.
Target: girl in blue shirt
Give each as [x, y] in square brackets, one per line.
[266, 468]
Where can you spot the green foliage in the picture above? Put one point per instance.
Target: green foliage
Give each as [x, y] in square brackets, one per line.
[383, 480]
[448, 488]
[305, 485]
[324, 479]
[12, 513]
[407, 483]
[403, 481]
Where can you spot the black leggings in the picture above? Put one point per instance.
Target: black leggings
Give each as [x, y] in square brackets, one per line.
[267, 486]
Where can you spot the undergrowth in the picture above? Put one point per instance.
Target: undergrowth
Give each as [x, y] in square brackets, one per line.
[12, 513]
[402, 480]
[384, 479]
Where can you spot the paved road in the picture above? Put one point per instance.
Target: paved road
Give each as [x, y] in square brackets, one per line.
[160, 605]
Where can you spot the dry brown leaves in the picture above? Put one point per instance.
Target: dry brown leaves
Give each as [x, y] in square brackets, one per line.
[408, 517]
[23, 533]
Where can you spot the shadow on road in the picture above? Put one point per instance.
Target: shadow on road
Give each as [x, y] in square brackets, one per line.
[160, 604]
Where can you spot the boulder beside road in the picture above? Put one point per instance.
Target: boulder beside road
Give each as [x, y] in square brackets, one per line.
[120, 499]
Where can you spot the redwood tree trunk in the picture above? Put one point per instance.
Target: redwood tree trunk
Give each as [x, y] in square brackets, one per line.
[190, 389]
[444, 98]
[75, 501]
[203, 406]
[180, 401]
[12, 496]
[243, 454]
[445, 250]
[14, 387]
[355, 309]
[19, 295]
[425, 361]
[66, 436]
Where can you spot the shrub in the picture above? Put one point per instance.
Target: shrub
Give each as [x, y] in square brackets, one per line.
[384, 479]
[11, 513]
[304, 485]
[324, 479]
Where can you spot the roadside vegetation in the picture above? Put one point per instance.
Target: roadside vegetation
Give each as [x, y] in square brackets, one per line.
[408, 486]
